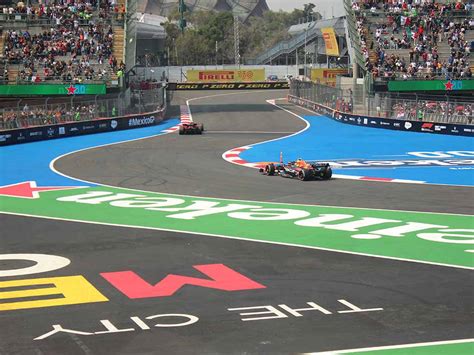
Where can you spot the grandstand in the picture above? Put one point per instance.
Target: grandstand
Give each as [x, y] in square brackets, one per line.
[73, 42]
[242, 8]
[431, 40]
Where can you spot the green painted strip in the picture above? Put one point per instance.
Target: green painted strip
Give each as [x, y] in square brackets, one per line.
[52, 89]
[445, 349]
[442, 239]
[431, 85]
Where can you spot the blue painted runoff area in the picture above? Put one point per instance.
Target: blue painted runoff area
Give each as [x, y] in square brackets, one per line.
[30, 161]
[375, 152]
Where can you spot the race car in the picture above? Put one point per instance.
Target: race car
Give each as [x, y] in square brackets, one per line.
[299, 169]
[191, 128]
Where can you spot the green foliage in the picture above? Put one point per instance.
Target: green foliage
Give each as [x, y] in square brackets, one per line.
[197, 45]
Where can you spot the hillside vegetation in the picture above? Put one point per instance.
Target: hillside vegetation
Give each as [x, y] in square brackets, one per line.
[209, 37]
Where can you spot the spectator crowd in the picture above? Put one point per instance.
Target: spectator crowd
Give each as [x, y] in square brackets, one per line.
[77, 46]
[419, 28]
[39, 116]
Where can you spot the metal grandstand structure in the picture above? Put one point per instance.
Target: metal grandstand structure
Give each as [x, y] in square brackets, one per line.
[242, 8]
[131, 34]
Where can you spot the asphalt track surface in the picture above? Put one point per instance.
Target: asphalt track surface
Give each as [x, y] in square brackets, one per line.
[421, 303]
[192, 165]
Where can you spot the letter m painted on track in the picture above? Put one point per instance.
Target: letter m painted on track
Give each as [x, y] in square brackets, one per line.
[221, 278]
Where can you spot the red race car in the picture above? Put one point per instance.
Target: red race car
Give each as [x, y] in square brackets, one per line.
[191, 128]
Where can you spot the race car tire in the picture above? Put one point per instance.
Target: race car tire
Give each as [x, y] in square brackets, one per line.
[327, 173]
[181, 131]
[304, 175]
[201, 127]
[270, 169]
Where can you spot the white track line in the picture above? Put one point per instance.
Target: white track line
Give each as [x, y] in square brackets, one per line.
[249, 132]
[238, 238]
[52, 163]
[403, 346]
[232, 155]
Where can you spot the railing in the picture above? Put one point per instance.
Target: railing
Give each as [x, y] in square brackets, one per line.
[76, 110]
[290, 45]
[397, 76]
[451, 14]
[354, 36]
[437, 109]
[21, 19]
[104, 79]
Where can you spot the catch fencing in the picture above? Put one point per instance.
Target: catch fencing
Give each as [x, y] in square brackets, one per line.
[434, 109]
[26, 114]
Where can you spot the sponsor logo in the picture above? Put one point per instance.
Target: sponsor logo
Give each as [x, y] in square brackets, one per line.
[454, 130]
[36, 133]
[408, 125]
[396, 124]
[468, 130]
[134, 122]
[113, 124]
[453, 85]
[400, 163]
[87, 127]
[427, 127]
[187, 86]
[359, 120]
[223, 86]
[62, 130]
[444, 154]
[74, 129]
[352, 119]
[102, 125]
[217, 75]
[256, 86]
[439, 128]
[5, 137]
[69, 290]
[77, 89]
[50, 131]
[20, 137]
[373, 122]
[245, 314]
[384, 123]
[366, 121]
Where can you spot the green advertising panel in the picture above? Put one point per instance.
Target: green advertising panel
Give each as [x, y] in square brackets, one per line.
[431, 85]
[52, 89]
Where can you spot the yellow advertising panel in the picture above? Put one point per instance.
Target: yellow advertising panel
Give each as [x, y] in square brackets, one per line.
[327, 76]
[226, 75]
[330, 40]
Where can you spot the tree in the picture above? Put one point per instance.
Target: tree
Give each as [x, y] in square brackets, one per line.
[308, 9]
[197, 45]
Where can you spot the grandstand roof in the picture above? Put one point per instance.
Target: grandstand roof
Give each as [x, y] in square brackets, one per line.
[242, 8]
[336, 23]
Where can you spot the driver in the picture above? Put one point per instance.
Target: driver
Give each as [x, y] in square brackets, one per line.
[300, 163]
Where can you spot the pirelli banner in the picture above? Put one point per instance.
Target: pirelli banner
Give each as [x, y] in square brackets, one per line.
[330, 40]
[226, 76]
[327, 76]
[230, 86]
